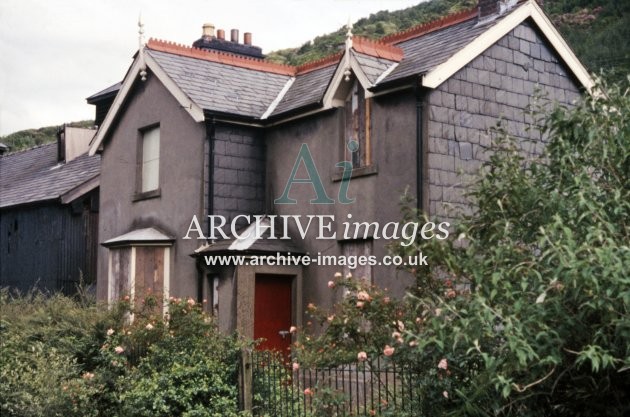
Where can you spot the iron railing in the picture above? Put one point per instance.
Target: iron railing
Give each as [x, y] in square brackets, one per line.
[376, 388]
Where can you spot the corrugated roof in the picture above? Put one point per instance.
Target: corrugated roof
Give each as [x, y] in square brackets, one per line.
[34, 175]
[221, 87]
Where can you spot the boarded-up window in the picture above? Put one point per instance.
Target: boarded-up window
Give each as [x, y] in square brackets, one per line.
[139, 272]
[354, 251]
[150, 159]
[358, 126]
[119, 277]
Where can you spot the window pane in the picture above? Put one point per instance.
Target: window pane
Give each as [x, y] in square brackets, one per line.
[150, 160]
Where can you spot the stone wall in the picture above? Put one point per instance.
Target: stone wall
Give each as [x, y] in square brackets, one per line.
[239, 171]
[498, 85]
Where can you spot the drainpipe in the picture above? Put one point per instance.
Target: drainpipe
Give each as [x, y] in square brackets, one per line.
[210, 132]
[420, 94]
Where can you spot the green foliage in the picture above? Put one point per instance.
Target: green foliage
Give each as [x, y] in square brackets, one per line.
[597, 30]
[363, 321]
[375, 26]
[63, 357]
[530, 299]
[46, 344]
[29, 138]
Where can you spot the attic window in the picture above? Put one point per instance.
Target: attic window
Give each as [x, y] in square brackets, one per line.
[357, 146]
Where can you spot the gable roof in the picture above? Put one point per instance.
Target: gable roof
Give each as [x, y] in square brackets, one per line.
[34, 175]
[222, 83]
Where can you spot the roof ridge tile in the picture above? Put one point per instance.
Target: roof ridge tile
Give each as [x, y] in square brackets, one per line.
[377, 48]
[431, 26]
[319, 63]
[220, 57]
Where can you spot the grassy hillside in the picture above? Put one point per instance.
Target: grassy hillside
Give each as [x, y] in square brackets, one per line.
[28, 138]
[597, 30]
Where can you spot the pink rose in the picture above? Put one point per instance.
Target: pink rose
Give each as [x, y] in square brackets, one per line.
[362, 356]
[363, 296]
[110, 332]
[296, 366]
[190, 302]
[443, 364]
[149, 326]
[308, 391]
[293, 330]
[360, 304]
[388, 351]
[445, 394]
[338, 275]
[331, 284]
[119, 350]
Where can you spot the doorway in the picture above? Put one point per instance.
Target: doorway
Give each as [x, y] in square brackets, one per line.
[273, 312]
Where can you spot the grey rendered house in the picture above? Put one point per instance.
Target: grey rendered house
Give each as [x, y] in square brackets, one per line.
[216, 130]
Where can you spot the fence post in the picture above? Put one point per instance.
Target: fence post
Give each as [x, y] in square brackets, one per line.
[246, 379]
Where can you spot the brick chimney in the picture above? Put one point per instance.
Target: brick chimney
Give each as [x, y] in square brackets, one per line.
[218, 43]
[488, 8]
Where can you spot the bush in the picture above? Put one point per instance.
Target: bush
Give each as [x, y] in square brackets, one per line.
[529, 312]
[63, 357]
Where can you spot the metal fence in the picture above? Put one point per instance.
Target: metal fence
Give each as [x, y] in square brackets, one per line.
[377, 388]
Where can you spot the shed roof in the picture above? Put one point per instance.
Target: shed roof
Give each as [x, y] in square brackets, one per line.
[35, 175]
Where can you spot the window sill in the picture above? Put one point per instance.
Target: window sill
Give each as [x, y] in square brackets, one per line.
[356, 172]
[147, 195]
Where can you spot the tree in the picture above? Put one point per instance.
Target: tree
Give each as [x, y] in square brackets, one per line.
[525, 311]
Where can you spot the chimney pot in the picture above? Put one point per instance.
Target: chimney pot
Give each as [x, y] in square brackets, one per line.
[488, 8]
[247, 38]
[208, 31]
[234, 35]
[221, 34]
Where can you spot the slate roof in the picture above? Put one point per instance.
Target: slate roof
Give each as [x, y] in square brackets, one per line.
[423, 53]
[241, 86]
[372, 66]
[110, 91]
[307, 89]
[34, 175]
[231, 84]
[221, 87]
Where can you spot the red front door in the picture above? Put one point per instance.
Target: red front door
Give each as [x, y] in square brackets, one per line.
[272, 312]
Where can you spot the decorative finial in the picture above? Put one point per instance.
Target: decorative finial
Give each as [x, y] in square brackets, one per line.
[143, 67]
[349, 35]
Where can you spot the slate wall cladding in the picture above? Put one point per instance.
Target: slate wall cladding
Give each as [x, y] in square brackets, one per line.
[497, 85]
[239, 171]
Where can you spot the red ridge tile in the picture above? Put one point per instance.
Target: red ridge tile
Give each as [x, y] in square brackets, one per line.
[425, 28]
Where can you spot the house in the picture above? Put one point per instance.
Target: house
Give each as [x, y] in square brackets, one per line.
[49, 215]
[199, 138]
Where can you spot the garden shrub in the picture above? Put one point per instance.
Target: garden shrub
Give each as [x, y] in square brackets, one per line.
[66, 357]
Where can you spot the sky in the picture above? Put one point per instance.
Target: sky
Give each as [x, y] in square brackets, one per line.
[55, 53]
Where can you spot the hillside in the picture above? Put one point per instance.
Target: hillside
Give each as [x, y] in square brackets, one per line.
[28, 138]
[597, 30]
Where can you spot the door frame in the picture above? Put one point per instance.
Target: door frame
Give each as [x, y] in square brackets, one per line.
[246, 290]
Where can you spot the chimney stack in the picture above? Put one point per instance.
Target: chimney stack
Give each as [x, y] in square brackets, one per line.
[488, 8]
[234, 35]
[209, 42]
[208, 31]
